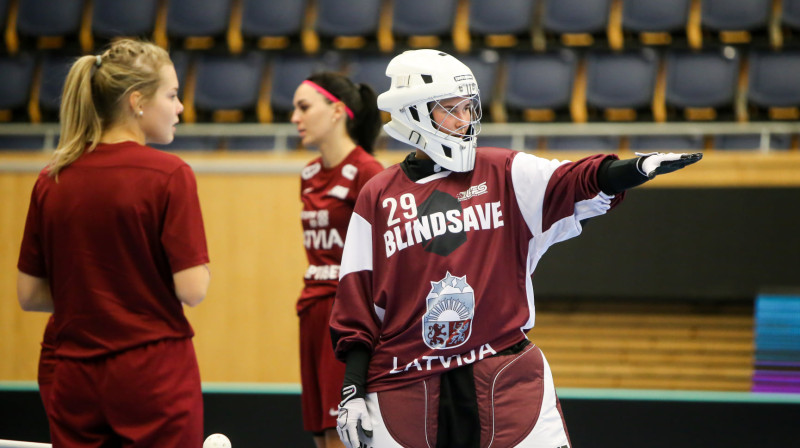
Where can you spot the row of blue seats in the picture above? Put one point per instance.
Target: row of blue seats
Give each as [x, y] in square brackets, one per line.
[561, 85]
[492, 22]
[595, 143]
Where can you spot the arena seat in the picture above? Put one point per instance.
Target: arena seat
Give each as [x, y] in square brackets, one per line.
[346, 24]
[773, 85]
[16, 73]
[790, 20]
[419, 24]
[701, 85]
[656, 22]
[735, 21]
[538, 86]
[576, 22]
[369, 68]
[195, 24]
[227, 87]
[50, 24]
[46, 96]
[272, 24]
[116, 18]
[501, 23]
[620, 85]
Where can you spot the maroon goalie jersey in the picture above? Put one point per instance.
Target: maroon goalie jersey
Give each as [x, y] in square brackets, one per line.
[328, 196]
[436, 273]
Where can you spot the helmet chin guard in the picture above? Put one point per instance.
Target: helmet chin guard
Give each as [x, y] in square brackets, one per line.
[420, 80]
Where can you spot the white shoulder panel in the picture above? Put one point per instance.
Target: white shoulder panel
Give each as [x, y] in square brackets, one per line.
[357, 255]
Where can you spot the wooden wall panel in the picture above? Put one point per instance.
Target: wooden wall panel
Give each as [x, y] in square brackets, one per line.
[20, 333]
[246, 328]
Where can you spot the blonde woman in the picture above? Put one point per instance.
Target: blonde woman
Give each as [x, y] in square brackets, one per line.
[114, 246]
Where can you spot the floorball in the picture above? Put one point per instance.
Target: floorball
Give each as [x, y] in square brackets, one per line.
[217, 441]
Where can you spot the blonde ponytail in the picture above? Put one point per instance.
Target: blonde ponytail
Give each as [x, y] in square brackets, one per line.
[94, 94]
[80, 122]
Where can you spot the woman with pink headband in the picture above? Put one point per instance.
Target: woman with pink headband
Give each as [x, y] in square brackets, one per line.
[342, 121]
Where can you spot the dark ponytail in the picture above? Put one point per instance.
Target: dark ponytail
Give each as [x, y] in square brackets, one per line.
[365, 125]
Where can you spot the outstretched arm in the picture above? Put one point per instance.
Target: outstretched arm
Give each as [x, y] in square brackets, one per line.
[616, 176]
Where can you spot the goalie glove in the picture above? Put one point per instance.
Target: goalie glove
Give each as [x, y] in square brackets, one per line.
[353, 416]
[655, 163]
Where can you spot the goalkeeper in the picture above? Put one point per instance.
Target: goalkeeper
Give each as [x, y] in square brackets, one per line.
[435, 296]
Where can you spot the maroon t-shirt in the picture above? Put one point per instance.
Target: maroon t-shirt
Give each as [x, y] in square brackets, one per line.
[328, 196]
[108, 236]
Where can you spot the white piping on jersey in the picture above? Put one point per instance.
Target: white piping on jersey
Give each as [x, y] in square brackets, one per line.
[494, 383]
[425, 388]
[434, 176]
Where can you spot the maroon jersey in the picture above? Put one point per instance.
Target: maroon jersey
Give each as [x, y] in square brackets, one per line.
[436, 273]
[328, 196]
[108, 236]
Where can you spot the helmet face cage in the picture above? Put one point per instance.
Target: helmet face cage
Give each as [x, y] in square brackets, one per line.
[464, 129]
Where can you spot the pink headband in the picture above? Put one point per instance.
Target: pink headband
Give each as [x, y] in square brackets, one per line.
[329, 96]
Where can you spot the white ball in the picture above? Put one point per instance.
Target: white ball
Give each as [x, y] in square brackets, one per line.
[217, 441]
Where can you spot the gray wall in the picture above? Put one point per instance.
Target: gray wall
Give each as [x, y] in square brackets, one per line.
[681, 243]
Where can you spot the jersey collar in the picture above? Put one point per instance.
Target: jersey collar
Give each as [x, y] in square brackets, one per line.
[417, 169]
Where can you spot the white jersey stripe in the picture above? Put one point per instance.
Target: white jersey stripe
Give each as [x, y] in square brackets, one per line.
[530, 175]
[357, 254]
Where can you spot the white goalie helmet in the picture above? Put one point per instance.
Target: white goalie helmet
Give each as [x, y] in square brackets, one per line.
[420, 80]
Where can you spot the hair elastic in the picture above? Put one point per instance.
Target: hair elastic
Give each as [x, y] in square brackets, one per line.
[329, 96]
[98, 60]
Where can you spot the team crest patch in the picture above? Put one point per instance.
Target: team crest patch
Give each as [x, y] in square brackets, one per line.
[451, 307]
